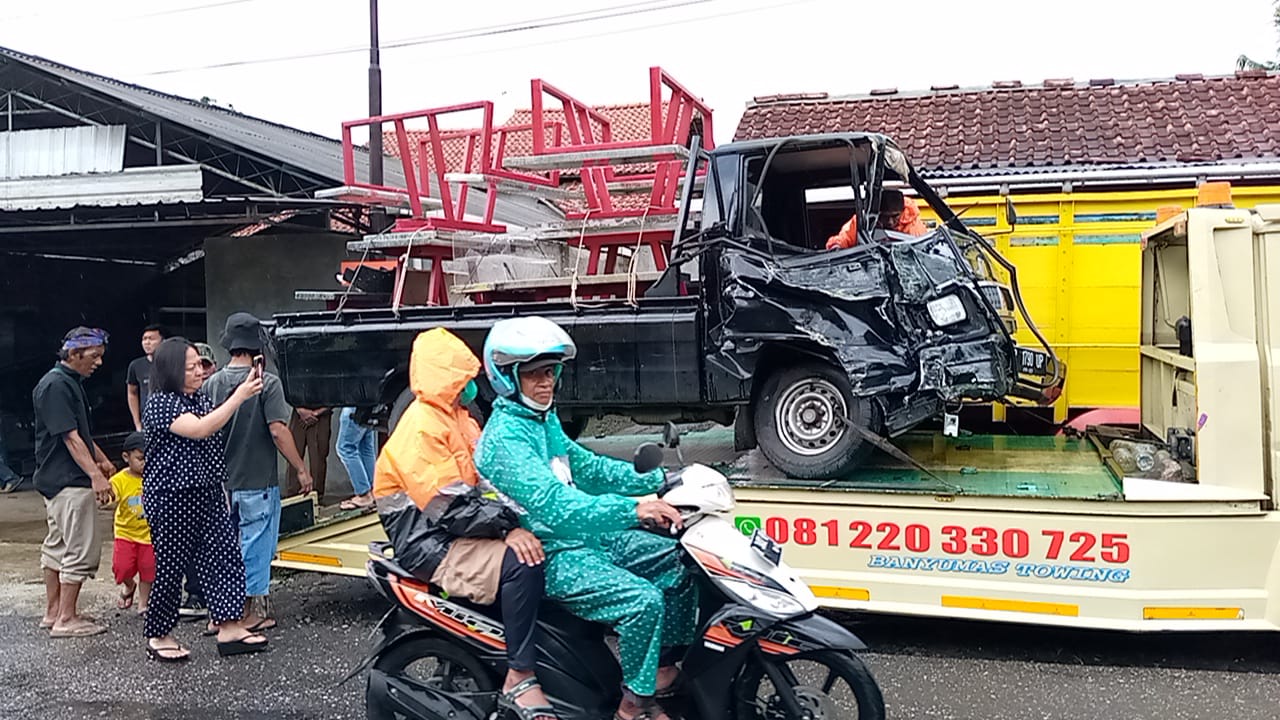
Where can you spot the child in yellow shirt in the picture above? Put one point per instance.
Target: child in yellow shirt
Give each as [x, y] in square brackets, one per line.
[132, 555]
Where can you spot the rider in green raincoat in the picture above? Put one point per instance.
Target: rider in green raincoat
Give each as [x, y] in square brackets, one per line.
[599, 565]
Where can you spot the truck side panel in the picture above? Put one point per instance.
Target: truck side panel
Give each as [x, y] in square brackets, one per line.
[647, 355]
[1116, 567]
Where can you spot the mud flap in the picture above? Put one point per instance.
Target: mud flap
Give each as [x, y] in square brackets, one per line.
[744, 432]
[418, 700]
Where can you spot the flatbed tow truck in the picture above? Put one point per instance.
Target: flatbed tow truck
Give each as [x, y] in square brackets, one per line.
[1060, 530]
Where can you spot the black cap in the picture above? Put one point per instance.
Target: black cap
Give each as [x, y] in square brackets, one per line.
[135, 441]
[242, 332]
[891, 201]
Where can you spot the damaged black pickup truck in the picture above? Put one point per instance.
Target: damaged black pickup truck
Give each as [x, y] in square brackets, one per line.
[813, 354]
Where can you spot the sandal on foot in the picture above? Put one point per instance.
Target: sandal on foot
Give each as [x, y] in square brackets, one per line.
[675, 688]
[353, 505]
[241, 646]
[157, 653]
[124, 601]
[263, 624]
[652, 713]
[526, 712]
[45, 624]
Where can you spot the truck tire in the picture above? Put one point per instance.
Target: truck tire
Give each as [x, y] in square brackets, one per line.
[798, 421]
[401, 404]
[574, 426]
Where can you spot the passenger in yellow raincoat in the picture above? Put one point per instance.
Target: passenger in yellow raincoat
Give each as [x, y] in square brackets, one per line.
[445, 529]
[896, 213]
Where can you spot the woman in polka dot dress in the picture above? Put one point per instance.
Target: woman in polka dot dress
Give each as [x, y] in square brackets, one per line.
[184, 501]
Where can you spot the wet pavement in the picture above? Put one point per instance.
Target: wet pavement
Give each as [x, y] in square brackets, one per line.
[927, 668]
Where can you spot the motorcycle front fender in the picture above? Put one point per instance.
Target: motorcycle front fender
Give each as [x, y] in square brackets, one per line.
[814, 630]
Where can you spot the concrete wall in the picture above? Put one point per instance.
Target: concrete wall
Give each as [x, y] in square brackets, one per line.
[259, 274]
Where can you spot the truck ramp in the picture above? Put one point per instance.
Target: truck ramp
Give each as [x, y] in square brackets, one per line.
[980, 465]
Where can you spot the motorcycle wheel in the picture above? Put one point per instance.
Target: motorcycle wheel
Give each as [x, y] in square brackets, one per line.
[438, 664]
[827, 684]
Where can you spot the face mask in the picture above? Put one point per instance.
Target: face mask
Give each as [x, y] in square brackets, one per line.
[469, 392]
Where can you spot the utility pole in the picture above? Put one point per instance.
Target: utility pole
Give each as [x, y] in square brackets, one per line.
[375, 97]
[377, 218]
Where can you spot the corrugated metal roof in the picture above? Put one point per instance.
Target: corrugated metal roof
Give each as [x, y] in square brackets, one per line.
[135, 186]
[309, 152]
[50, 152]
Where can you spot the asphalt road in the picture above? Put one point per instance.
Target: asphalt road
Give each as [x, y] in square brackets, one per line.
[928, 669]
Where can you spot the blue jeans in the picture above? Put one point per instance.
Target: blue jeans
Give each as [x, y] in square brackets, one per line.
[259, 517]
[358, 451]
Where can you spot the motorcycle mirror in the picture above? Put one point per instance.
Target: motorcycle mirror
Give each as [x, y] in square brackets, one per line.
[648, 457]
[671, 435]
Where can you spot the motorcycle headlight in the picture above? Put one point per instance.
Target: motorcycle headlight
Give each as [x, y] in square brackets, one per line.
[771, 601]
[946, 310]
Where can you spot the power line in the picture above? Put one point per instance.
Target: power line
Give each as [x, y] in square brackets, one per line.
[636, 28]
[139, 16]
[577, 18]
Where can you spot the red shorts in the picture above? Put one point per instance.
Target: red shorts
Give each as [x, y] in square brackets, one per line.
[130, 558]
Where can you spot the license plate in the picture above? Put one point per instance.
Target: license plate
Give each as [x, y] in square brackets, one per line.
[1032, 362]
[768, 549]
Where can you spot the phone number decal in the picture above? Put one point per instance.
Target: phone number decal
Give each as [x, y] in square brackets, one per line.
[1048, 554]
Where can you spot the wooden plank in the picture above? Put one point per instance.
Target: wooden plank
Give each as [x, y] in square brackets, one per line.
[371, 196]
[621, 156]
[646, 186]
[511, 186]
[395, 243]
[556, 282]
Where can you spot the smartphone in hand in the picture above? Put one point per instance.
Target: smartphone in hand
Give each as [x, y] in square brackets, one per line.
[260, 364]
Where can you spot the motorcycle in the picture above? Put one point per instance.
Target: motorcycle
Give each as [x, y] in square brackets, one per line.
[761, 651]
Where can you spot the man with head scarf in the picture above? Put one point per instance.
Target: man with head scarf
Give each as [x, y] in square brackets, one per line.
[72, 474]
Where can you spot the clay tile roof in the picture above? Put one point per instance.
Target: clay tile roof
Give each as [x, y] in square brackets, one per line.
[1101, 122]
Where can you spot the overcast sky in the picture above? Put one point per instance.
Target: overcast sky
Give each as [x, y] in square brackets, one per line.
[726, 50]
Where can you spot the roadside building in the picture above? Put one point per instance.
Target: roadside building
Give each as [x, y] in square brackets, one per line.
[122, 206]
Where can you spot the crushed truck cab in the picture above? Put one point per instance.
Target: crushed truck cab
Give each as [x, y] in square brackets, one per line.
[815, 355]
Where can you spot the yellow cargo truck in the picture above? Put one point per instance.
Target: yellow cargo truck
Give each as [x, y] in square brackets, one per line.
[1171, 529]
[1077, 255]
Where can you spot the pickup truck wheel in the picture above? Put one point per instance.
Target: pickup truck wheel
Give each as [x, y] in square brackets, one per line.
[574, 426]
[398, 407]
[476, 408]
[800, 422]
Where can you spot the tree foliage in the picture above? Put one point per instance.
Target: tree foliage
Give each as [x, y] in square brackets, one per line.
[1244, 62]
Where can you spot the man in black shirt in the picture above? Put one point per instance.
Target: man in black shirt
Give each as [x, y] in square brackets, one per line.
[138, 377]
[71, 474]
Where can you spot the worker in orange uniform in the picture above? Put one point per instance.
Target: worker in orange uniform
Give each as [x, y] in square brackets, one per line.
[895, 214]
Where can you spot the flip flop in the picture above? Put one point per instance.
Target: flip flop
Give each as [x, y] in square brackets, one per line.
[353, 505]
[262, 625]
[124, 602]
[78, 631]
[241, 647]
[45, 624]
[155, 653]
